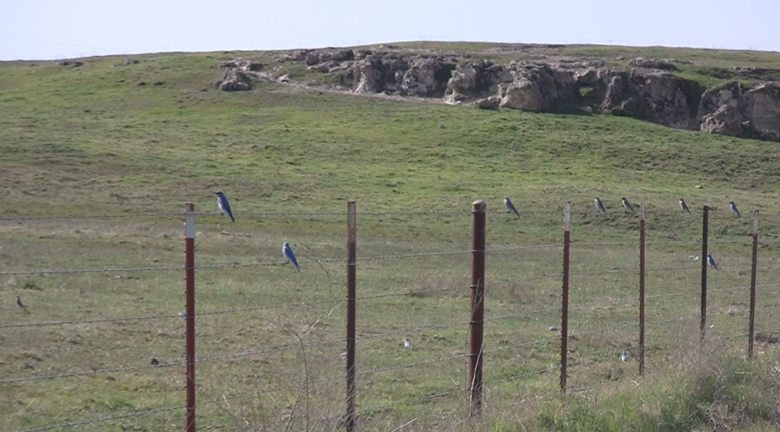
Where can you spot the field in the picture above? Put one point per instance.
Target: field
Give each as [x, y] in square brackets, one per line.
[90, 141]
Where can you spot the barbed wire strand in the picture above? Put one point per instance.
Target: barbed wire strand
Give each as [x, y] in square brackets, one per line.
[412, 331]
[523, 344]
[103, 419]
[170, 364]
[412, 365]
[525, 247]
[88, 321]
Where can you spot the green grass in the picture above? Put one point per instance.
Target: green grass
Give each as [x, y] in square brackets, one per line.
[89, 140]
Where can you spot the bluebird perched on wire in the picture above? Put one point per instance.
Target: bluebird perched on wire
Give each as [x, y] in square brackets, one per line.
[224, 207]
[19, 302]
[600, 206]
[683, 205]
[734, 208]
[624, 356]
[288, 253]
[627, 205]
[711, 262]
[510, 207]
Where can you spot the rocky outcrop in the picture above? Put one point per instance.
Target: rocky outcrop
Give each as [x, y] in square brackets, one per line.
[659, 97]
[488, 103]
[234, 80]
[473, 80]
[726, 121]
[663, 64]
[648, 91]
[242, 65]
[757, 110]
[763, 110]
[421, 78]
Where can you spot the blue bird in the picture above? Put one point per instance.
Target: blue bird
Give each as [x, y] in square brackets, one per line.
[684, 206]
[711, 262]
[224, 206]
[288, 253]
[510, 207]
[627, 205]
[624, 356]
[600, 206]
[734, 208]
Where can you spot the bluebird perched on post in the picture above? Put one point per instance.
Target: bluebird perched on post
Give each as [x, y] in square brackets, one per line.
[19, 302]
[288, 253]
[627, 205]
[711, 262]
[510, 207]
[600, 206]
[224, 207]
[683, 205]
[734, 208]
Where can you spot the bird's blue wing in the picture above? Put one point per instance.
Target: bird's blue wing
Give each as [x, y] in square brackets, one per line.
[512, 208]
[226, 205]
[288, 252]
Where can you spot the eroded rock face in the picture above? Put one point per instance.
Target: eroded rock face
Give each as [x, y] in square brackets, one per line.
[731, 93]
[763, 110]
[473, 80]
[648, 91]
[234, 80]
[665, 97]
[420, 78]
[241, 64]
[758, 110]
[726, 120]
[523, 95]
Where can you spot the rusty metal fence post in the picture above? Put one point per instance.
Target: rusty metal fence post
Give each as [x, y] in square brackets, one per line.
[351, 294]
[704, 264]
[190, 306]
[565, 299]
[753, 284]
[642, 289]
[479, 214]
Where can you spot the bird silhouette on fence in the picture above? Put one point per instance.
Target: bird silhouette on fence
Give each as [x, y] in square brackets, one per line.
[734, 208]
[600, 206]
[288, 253]
[684, 206]
[510, 207]
[711, 262]
[627, 205]
[224, 206]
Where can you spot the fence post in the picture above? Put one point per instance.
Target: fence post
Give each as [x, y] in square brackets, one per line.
[351, 294]
[190, 318]
[704, 263]
[479, 213]
[753, 284]
[642, 289]
[565, 300]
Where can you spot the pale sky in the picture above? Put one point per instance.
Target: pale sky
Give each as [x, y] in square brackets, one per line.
[57, 29]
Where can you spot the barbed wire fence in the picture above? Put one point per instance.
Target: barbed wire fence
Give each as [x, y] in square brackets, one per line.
[478, 345]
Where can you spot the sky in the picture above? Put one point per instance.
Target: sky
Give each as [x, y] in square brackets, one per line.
[58, 29]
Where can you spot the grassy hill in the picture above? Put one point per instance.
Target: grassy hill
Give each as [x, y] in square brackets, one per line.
[91, 140]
